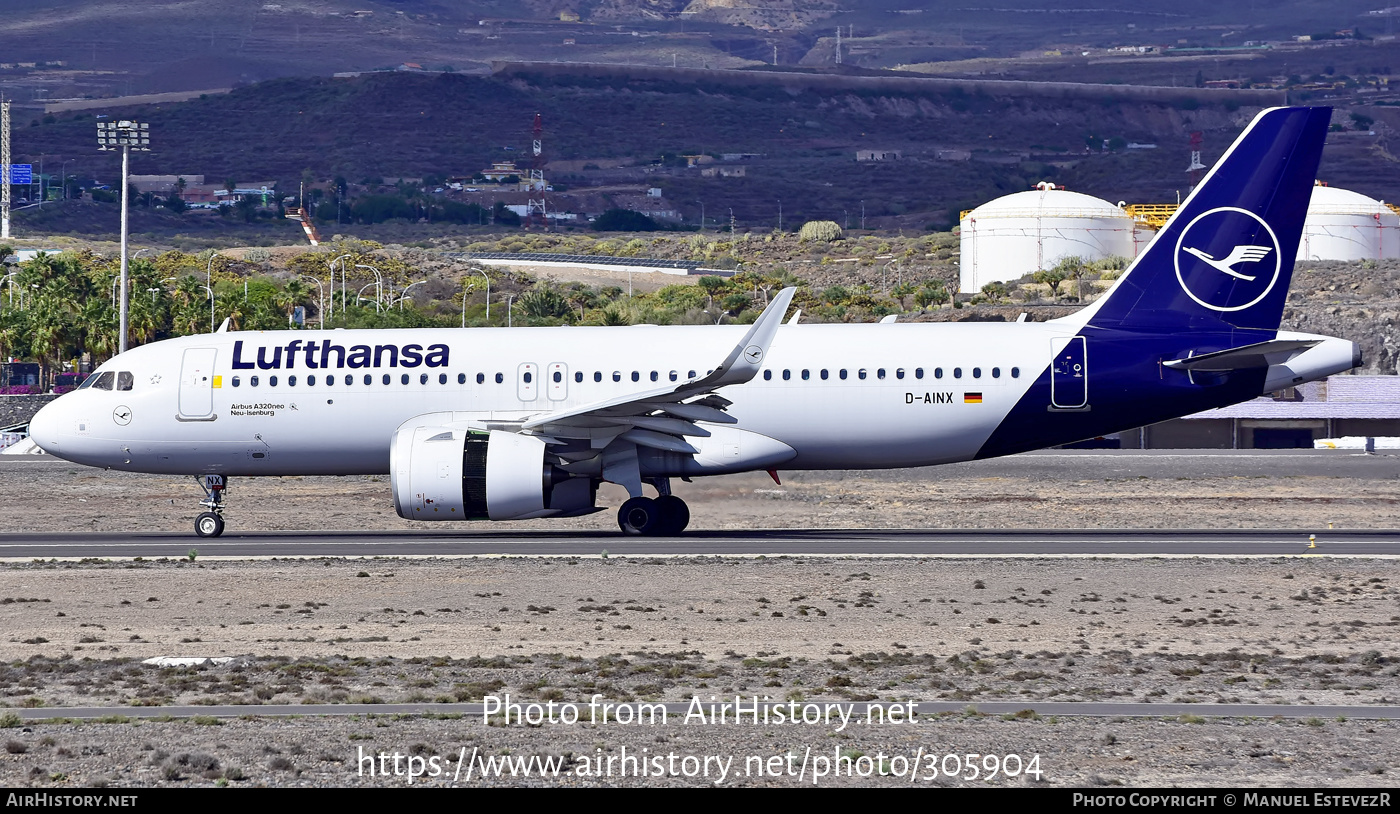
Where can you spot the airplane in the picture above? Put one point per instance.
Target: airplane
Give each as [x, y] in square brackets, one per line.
[515, 423]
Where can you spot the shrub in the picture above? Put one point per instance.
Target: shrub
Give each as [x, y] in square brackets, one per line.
[824, 231]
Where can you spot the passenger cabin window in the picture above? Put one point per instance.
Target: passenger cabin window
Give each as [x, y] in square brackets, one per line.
[918, 373]
[423, 378]
[500, 377]
[825, 374]
[636, 377]
[481, 378]
[654, 376]
[767, 375]
[899, 373]
[957, 373]
[442, 378]
[125, 380]
[237, 381]
[880, 374]
[617, 375]
[252, 381]
[386, 378]
[996, 373]
[403, 379]
[597, 375]
[977, 373]
[271, 381]
[368, 379]
[461, 378]
[860, 373]
[806, 374]
[578, 376]
[843, 373]
[938, 373]
[787, 374]
[291, 381]
[1015, 373]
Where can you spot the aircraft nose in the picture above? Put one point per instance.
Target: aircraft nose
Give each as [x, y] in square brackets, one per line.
[45, 426]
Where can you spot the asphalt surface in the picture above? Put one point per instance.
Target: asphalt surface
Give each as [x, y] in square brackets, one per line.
[1050, 465]
[775, 542]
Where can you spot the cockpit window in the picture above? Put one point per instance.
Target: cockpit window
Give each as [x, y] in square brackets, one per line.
[88, 382]
[104, 380]
[125, 380]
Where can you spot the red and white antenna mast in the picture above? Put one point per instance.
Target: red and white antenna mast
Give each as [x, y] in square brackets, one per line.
[536, 206]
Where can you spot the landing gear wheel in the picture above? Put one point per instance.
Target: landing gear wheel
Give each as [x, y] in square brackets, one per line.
[675, 516]
[638, 516]
[209, 524]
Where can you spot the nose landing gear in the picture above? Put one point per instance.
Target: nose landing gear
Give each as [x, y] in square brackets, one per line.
[211, 523]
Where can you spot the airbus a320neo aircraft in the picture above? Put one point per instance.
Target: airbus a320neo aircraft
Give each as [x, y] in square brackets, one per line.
[507, 424]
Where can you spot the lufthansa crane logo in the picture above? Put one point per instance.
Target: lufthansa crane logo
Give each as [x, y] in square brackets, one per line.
[1228, 259]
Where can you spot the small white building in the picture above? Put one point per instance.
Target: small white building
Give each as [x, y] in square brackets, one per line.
[1028, 231]
[1346, 225]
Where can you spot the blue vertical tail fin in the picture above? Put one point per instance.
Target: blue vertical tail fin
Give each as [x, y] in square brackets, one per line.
[1225, 259]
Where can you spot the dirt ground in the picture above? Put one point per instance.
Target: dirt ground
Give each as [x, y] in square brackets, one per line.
[1291, 630]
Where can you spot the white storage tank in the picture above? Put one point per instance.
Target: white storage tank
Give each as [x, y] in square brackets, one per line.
[1033, 230]
[1346, 225]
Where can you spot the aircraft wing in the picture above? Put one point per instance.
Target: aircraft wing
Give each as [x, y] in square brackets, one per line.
[661, 418]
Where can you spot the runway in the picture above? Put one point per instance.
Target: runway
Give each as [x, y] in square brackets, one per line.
[1369, 543]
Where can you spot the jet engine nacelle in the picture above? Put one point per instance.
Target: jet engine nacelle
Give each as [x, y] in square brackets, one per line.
[445, 473]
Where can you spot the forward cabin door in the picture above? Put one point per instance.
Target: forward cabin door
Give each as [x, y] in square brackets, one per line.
[197, 383]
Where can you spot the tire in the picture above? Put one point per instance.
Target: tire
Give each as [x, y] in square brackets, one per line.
[675, 516]
[209, 524]
[638, 516]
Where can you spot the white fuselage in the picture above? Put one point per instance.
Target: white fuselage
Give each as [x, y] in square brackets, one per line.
[841, 396]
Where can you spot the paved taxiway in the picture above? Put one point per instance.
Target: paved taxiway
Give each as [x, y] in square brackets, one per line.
[774, 542]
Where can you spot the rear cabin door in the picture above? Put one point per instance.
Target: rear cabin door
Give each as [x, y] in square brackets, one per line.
[1069, 374]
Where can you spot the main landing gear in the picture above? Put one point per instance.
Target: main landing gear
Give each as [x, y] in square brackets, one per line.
[211, 523]
[663, 516]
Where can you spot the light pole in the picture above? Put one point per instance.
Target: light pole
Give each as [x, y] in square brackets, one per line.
[702, 215]
[63, 173]
[403, 295]
[482, 272]
[209, 273]
[509, 297]
[469, 289]
[126, 134]
[10, 278]
[378, 279]
[321, 294]
[342, 284]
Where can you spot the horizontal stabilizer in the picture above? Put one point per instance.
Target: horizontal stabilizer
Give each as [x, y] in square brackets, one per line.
[1259, 355]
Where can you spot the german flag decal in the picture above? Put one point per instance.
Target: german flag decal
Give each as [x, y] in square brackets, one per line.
[972, 398]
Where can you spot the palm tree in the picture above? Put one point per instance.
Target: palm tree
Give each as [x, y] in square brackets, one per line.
[294, 293]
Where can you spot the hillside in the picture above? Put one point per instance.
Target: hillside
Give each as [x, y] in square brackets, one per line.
[803, 139]
[57, 49]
